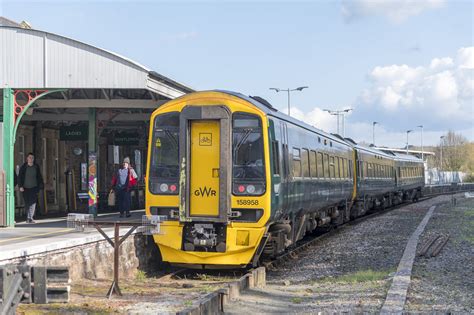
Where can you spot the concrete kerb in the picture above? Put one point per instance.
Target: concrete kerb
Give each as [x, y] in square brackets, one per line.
[396, 296]
[214, 302]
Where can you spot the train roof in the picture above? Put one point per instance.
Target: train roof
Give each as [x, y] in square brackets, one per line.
[268, 109]
[407, 157]
[387, 155]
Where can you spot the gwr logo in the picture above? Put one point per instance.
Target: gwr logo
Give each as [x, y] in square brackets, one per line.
[205, 192]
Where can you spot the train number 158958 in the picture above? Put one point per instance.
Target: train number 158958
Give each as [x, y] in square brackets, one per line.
[244, 202]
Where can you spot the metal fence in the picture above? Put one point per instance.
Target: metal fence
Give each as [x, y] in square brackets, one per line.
[436, 177]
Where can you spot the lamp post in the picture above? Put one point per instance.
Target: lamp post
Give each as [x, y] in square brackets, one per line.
[421, 126]
[338, 113]
[441, 154]
[408, 131]
[289, 90]
[373, 132]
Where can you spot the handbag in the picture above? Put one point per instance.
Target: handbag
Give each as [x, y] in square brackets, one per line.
[111, 198]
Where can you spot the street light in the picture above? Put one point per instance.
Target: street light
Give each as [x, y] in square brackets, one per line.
[421, 126]
[408, 131]
[373, 132]
[289, 90]
[441, 155]
[338, 113]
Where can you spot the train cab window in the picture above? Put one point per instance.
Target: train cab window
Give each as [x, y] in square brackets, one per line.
[305, 162]
[331, 167]
[276, 157]
[326, 165]
[164, 165]
[312, 164]
[296, 162]
[319, 162]
[247, 153]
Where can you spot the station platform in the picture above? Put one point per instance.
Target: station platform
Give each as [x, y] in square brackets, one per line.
[53, 234]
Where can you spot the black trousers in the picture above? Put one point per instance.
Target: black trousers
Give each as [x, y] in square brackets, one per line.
[124, 200]
[30, 196]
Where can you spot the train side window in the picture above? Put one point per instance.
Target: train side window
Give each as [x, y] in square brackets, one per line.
[305, 162]
[343, 168]
[349, 169]
[346, 163]
[331, 167]
[296, 162]
[319, 162]
[276, 157]
[312, 164]
[338, 168]
[326, 166]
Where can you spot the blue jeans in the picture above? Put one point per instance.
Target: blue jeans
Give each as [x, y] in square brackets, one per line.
[123, 200]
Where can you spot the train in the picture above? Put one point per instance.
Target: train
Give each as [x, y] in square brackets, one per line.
[237, 180]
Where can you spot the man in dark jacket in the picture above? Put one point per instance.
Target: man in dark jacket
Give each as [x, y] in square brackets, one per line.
[30, 183]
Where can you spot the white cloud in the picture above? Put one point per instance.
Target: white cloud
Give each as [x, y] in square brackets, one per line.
[442, 91]
[317, 117]
[395, 10]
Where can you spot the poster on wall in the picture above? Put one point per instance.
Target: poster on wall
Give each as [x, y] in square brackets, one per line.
[84, 181]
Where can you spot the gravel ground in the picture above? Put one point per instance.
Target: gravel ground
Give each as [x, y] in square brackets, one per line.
[350, 271]
[445, 283]
[142, 295]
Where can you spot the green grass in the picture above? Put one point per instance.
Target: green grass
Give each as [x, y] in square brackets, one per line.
[188, 303]
[360, 276]
[140, 276]
[296, 300]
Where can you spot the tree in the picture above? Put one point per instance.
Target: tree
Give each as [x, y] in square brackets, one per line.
[454, 150]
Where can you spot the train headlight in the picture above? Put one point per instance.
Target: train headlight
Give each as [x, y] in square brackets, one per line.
[164, 187]
[248, 189]
[251, 189]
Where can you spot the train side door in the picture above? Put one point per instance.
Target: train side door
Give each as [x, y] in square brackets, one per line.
[277, 167]
[285, 165]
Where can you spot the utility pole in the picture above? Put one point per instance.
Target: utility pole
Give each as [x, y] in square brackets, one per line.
[338, 113]
[421, 126]
[373, 132]
[289, 90]
[408, 131]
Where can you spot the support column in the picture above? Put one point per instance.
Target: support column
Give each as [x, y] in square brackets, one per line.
[92, 159]
[8, 150]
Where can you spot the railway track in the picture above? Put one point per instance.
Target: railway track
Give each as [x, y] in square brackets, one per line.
[308, 241]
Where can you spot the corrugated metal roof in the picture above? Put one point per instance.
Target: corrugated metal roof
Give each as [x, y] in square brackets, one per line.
[37, 59]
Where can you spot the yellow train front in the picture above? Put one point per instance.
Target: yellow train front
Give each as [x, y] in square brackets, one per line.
[208, 173]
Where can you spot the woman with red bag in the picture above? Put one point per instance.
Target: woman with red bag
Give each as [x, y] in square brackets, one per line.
[122, 183]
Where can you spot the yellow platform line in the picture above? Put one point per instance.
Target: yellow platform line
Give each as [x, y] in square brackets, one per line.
[35, 235]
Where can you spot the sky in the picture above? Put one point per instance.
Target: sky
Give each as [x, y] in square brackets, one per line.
[400, 63]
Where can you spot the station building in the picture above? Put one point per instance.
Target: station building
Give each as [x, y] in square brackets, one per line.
[80, 109]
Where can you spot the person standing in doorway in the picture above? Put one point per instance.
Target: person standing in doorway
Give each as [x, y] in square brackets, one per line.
[30, 183]
[122, 182]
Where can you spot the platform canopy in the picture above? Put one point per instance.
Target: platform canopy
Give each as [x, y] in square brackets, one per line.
[93, 77]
